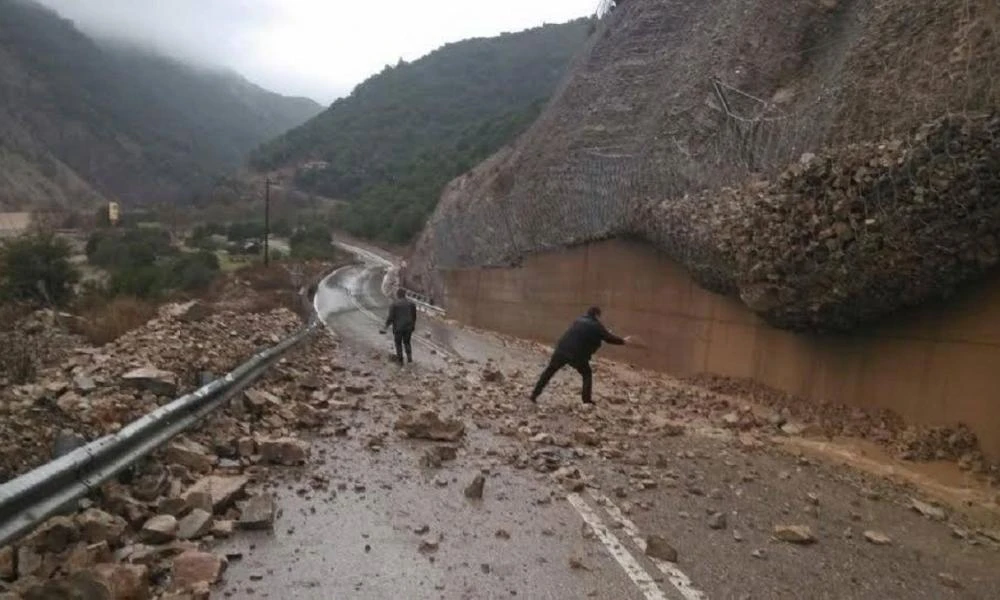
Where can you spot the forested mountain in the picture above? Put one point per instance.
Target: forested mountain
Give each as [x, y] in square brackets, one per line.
[390, 146]
[82, 119]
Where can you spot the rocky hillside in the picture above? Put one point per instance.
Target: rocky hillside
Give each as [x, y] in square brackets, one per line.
[82, 120]
[392, 145]
[789, 153]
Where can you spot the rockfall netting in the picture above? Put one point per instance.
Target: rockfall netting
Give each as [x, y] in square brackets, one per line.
[827, 163]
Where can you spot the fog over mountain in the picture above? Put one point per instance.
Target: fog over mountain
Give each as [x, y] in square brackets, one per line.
[315, 48]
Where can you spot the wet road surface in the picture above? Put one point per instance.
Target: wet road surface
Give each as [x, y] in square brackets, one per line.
[368, 519]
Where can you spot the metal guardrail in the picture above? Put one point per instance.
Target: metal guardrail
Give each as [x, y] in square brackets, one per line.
[30, 499]
[424, 303]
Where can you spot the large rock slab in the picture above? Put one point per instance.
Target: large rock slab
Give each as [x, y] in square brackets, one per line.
[161, 383]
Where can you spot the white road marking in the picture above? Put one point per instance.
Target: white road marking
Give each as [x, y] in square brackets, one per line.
[632, 568]
[674, 575]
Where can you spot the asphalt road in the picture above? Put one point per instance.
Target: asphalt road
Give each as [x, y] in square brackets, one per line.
[362, 537]
[382, 525]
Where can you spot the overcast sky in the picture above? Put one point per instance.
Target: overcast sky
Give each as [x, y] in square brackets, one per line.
[315, 48]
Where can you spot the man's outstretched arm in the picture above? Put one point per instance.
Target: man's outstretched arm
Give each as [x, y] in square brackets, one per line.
[611, 338]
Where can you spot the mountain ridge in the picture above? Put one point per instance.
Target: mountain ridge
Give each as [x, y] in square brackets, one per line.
[85, 120]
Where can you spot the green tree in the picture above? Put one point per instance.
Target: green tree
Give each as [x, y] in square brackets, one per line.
[36, 269]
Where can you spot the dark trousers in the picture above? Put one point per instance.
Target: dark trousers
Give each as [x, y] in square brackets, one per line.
[558, 361]
[402, 340]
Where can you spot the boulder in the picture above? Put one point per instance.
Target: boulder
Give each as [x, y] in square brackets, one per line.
[284, 451]
[195, 525]
[427, 425]
[221, 490]
[194, 568]
[159, 529]
[190, 454]
[98, 526]
[258, 513]
[658, 547]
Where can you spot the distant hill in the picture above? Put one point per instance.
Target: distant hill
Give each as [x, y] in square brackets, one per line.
[391, 146]
[82, 120]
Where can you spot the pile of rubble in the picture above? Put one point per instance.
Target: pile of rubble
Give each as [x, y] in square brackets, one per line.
[850, 235]
[150, 533]
[96, 391]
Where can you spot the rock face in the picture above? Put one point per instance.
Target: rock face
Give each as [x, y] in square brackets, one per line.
[427, 425]
[797, 248]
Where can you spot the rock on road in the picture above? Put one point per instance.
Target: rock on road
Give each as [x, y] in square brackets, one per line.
[570, 497]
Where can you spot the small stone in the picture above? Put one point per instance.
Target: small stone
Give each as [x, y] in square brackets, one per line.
[222, 528]
[246, 447]
[8, 570]
[657, 547]
[221, 490]
[812, 498]
[576, 563]
[84, 556]
[288, 452]
[99, 526]
[29, 562]
[258, 513]
[949, 580]
[55, 535]
[759, 553]
[190, 454]
[928, 510]
[429, 545]
[794, 534]
[474, 490]
[422, 529]
[586, 436]
[878, 538]
[192, 568]
[717, 520]
[503, 534]
[737, 536]
[195, 525]
[125, 582]
[159, 529]
[66, 441]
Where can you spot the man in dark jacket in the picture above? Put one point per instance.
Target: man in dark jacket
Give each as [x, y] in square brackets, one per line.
[403, 319]
[575, 348]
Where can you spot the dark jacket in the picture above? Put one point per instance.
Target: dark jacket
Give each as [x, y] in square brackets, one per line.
[402, 316]
[583, 338]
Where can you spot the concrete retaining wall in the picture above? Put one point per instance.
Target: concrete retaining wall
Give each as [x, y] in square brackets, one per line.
[936, 365]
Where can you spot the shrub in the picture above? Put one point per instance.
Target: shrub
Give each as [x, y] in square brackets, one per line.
[107, 322]
[312, 242]
[36, 269]
[193, 272]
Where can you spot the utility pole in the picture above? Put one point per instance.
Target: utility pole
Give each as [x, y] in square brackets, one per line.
[267, 220]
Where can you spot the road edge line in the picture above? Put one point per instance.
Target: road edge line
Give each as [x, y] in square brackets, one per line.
[676, 577]
[635, 571]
